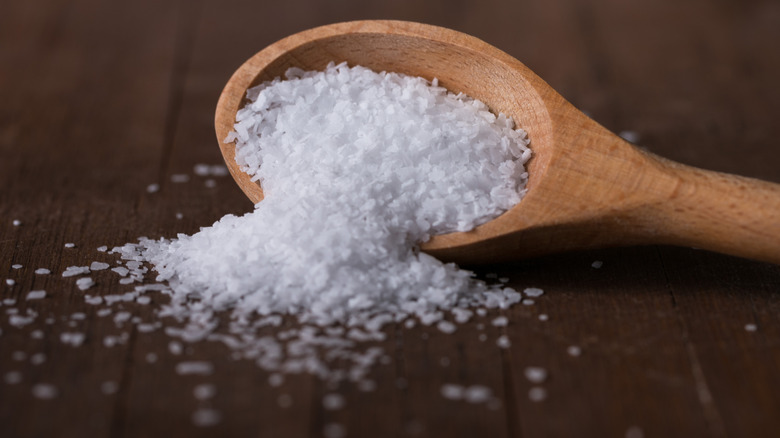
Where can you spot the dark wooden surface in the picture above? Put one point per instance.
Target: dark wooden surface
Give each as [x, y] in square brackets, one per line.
[99, 99]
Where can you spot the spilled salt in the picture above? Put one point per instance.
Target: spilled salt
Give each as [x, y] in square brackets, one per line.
[356, 167]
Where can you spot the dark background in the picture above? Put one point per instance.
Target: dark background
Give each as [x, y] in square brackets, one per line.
[98, 99]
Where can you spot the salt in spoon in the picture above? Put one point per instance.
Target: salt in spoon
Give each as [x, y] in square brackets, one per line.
[587, 187]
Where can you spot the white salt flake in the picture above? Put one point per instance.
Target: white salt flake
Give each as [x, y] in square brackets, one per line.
[37, 358]
[535, 374]
[70, 245]
[71, 271]
[543, 317]
[751, 327]
[42, 271]
[573, 350]
[500, 321]
[74, 339]
[333, 402]
[85, 283]
[103, 248]
[533, 292]
[17, 266]
[10, 281]
[446, 327]
[12, 377]
[204, 391]
[503, 342]
[16, 222]
[153, 188]
[180, 178]
[44, 391]
[109, 387]
[206, 417]
[98, 266]
[194, 367]
[36, 295]
[537, 394]
[597, 264]
[452, 391]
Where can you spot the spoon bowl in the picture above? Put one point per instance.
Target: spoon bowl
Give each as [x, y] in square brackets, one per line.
[587, 187]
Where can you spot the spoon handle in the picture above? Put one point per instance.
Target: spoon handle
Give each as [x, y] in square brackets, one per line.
[715, 211]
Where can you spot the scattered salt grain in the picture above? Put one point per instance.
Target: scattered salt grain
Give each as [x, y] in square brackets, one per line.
[85, 283]
[98, 266]
[36, 295]
[74, 339]
[446, 327]
[597, 264]
[103, 248]
[275, 380]
[71, 271]
[452, 391]
[16, 222]
[537, 394]
[109, 387]
[477, 394]
[635, 432]
[333, 402]
[44, 391]
[121, 270]
[17, 266]
[37, 358]
[210, 183]
[12, 377]
[533, 292]
[180, 178]
[153, 188]
[535, 374]
[151, 358]
[574, 350]
[334, 430]
[501, 321]
[175, 348]
[194, 367]
[20, 321]
[543, 317]
[205, 417]
[42, 271]
[179, 216]
[144, 300]
[503, 342]
[70, 245]
[528, 302]
[18, 356]
[10, 281]
[751, 327]
[204, 391]
[36, 334]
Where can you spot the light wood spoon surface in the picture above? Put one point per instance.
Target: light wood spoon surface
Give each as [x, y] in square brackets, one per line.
[587, 187]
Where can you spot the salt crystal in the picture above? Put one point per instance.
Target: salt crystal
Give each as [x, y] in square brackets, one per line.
[37, 358]
[333, 402]
[477, 394]
[334, 430]
[10, 281]
[180, 178]
[452, 391]
[635, 432]
[503, 342]
[574, 350]
[42, 271]
[20, 321]
[210, 183]
[103, 248]
[17, 266]
[194, 367]
[12, 377]
[535, 374]
[36, 334]
[179, 216]
[597, 264]
[528, 302]
[201, 170]
[537, 394]
[78, 316]
[500, 321]
[36, 295]
[71, 271]
[44, 391]
[533, 292]
[175, 348]
[98, 266]
[446, 327]
[275, 380]
[204, 391]
[205, 417]
[109, 387]
[543, 317]
[153, 188]
[16, 222]
[121, 270]
[103, 312]
[70, 245]
[74, 339]
[751, 327]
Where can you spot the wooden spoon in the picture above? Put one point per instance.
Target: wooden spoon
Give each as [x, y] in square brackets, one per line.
[587, 187]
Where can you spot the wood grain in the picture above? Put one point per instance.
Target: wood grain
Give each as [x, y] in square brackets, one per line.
[100, 99]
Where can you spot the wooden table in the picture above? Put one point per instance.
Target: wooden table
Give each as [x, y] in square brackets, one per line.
[100, 99]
